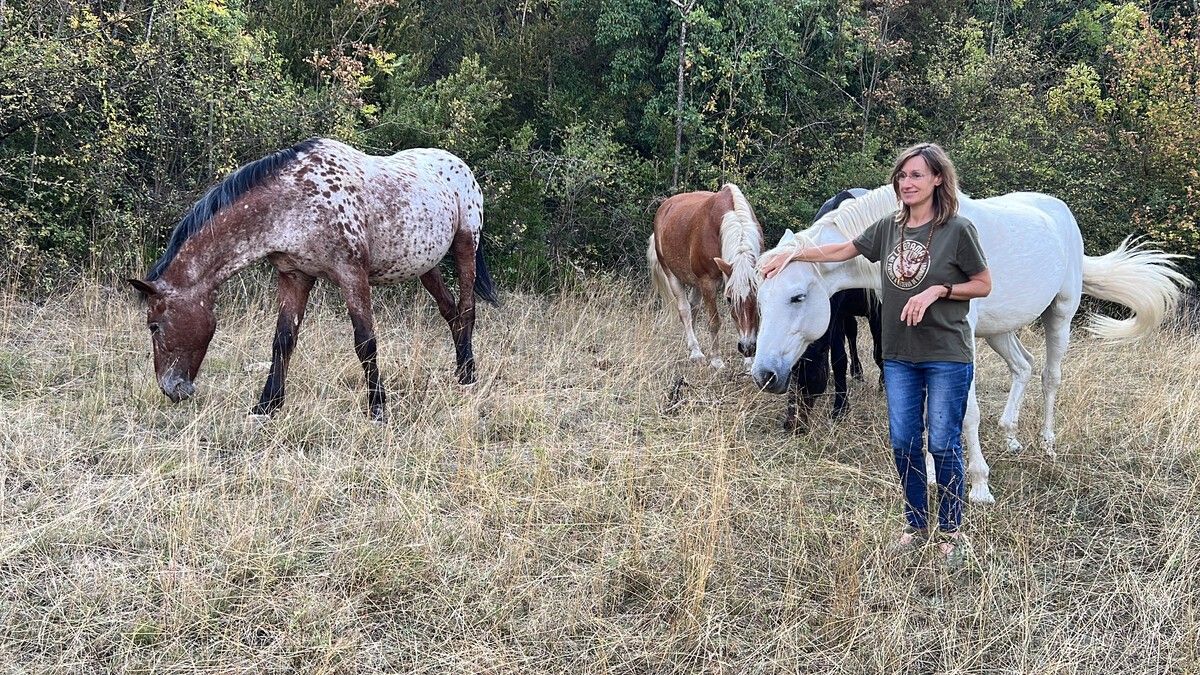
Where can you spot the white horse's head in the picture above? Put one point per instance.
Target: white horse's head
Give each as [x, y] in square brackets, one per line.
[793, 311]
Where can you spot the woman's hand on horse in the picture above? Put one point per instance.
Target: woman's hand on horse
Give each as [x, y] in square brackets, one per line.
[914, 309]
[773, 264]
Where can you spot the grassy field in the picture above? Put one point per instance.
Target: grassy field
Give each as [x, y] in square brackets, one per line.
[565, 514]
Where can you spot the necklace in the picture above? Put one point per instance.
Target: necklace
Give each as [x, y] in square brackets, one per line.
[910, 264]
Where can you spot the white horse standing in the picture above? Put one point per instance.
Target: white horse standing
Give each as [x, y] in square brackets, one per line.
[1035, 255]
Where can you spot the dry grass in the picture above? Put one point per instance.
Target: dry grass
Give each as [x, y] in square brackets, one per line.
[561, 516]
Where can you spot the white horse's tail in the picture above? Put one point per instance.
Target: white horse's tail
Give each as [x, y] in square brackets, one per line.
[1143, 279]
[658, 275]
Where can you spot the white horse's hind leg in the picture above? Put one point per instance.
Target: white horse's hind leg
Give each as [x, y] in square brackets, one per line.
[1020, 366]
[683, 305]
[1058, 335]
[977, 467]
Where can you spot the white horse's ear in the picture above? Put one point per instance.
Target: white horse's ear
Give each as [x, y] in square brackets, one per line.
[789, 237]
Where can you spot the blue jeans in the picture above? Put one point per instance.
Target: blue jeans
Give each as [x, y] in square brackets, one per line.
[935, 393]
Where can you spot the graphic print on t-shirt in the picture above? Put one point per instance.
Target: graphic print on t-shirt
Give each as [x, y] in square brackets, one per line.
[906, 268]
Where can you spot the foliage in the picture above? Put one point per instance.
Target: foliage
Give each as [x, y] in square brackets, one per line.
[114, 116]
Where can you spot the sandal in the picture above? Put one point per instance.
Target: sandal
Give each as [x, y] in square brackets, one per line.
[955, 548]
[909, 538]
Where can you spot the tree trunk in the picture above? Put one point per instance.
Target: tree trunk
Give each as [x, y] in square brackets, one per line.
[683, 26]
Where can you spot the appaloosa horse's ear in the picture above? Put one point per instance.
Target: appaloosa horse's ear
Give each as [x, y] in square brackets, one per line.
[145, 288]
[725, 267]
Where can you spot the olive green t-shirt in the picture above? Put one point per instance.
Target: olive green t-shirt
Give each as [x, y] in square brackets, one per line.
[955, 255]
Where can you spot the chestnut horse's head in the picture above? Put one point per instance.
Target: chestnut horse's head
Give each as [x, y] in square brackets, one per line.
[741, 294]
[181, 326]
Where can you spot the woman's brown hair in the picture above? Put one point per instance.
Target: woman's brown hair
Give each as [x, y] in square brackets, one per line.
[945, 196]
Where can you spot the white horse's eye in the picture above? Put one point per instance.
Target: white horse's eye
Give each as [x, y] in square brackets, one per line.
[799, 297]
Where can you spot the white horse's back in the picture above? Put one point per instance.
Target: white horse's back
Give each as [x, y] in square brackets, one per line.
[1034, 252]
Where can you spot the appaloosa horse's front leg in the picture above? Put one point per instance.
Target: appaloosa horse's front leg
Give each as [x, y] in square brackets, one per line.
[357, 291]
[461, 319]
[294, 288]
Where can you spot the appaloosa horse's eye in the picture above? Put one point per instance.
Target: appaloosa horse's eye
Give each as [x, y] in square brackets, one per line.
[155, 328]
[799, 297]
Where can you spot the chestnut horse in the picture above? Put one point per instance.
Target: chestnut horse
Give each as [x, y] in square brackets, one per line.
[701, 242]
[320, 209]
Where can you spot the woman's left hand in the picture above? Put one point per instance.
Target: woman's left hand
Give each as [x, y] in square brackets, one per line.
[914, 309]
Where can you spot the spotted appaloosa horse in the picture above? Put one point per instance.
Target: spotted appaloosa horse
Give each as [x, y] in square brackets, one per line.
[701, 241]
[320, 209]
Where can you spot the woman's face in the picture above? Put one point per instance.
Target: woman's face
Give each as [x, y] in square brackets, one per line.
[916, 182]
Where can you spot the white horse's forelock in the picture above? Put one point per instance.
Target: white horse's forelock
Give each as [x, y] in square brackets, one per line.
[741, 245]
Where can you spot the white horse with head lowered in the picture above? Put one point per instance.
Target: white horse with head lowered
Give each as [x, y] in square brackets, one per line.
[1035, 254]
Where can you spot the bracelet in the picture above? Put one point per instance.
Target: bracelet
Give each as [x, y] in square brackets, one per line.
[949, 290]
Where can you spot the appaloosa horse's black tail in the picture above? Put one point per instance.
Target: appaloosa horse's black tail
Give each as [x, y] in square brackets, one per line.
[485, 288]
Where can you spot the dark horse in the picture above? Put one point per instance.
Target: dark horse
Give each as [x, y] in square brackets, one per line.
[810, 375]
[320, 209]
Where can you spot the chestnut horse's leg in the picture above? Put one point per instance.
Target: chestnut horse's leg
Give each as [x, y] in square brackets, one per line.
[357, 291]
[683, 305]
[461, 319]
[294, 288]
[708, 291]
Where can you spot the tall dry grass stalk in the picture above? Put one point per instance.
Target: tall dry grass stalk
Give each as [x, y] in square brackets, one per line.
[594, 504]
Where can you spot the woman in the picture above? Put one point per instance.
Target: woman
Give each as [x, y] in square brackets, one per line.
[932, 265]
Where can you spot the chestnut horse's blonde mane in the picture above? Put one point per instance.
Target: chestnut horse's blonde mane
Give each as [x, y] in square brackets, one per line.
[741, 244]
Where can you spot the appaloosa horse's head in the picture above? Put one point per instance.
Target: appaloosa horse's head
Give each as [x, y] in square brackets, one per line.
[181, 326]
[741, 294]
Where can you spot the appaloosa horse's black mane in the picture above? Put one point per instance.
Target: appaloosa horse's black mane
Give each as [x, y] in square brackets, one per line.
[221, 196]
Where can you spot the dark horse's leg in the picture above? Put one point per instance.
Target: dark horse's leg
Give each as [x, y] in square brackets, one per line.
[357, 291]
[837, 351]
[875, 321]
[808, 380]
[294, 288]
[461, 319]
[850, 330]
